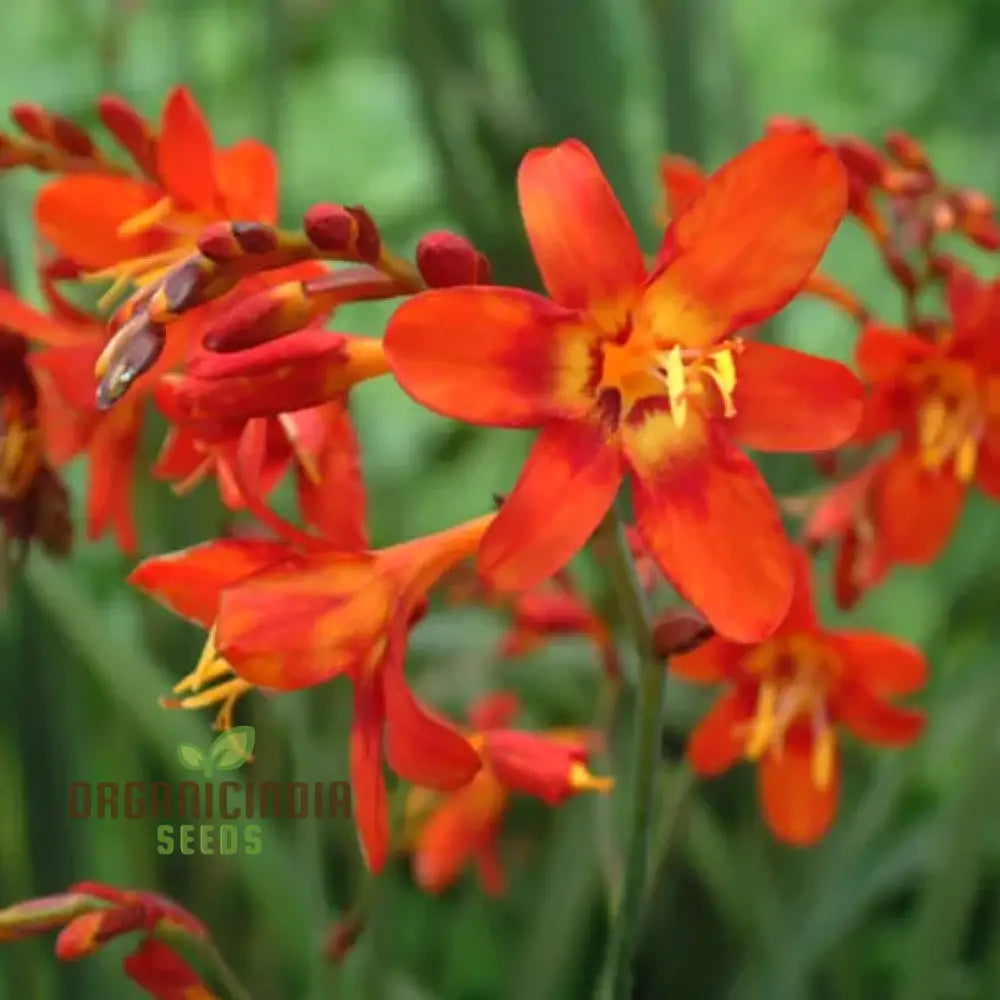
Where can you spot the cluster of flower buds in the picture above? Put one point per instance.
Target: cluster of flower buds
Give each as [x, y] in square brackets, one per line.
[89, 915]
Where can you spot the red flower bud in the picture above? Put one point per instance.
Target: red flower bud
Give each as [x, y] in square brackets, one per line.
[679, 631]
[446, 259]
[862, 160]
[131, 130]
[67, 136]
[901, 271]
[343, 230]
[906, 151]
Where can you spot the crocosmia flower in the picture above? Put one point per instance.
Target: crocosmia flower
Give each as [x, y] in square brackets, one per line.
[941, 396]
[447, 831]
[644, 373]
[786, 699]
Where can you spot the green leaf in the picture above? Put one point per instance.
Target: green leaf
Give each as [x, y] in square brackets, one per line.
[190, 756]
[232, 748]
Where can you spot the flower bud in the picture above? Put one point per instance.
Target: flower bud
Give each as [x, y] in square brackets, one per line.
[343, 230]
[906, 151]
[445, 259]
[67, 136]
[862, 160]
[132, 132]
[36, 916]
[680, 630]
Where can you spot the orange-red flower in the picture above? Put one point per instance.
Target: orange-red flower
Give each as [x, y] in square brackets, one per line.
[786, 699]
[447, 831]
[646, 373]
[942, 397]
[285, 619]
[138, 226]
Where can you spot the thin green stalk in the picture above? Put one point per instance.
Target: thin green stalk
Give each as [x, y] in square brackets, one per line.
[622, 942]
[208, 956]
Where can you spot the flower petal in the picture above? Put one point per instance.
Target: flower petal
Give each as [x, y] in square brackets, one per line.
[717, 741]
[80, 214]
[421, 747]
[797, 810]
[456, 831]
[185, 155]
[711, 523]
[371, 810]
[789, 401]
[19, 317]
[113, 450]
[330, 486]
[495, 356]
[884, 665]
[567, 485]
[682, 181]
[711, 663]
[189, 581]
[873, 720]
[801, 615]
[302, 623]
[915, 533]
[247, 174]
[883, 352]
[747, 244]
[586, 250]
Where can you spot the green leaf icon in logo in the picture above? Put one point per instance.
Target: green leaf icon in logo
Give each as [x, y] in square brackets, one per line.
[191, 757]
[232, 748]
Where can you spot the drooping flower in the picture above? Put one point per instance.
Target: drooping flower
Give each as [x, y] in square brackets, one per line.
[786, 699]
[284, 617]
[941, 396]
[447, 831]
[628, 371]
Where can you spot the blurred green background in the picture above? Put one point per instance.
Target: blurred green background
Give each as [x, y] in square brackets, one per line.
[421, 110]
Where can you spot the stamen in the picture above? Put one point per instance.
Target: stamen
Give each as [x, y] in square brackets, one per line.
[583, 781]
[965, 459]
[677, 385]
[232, 688]
[932, 419]
[146, 219]
[210, 667]
[824, 748]
[762, 728]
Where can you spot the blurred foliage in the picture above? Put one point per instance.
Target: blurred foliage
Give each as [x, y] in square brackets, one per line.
[421, 112]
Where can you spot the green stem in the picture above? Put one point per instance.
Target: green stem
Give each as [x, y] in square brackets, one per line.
[208, 956]
[622, 942]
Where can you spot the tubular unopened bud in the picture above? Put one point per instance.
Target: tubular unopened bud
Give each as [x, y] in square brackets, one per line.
[133, 350]
[85, 934]
[36, 916]
[265, 316]
[445, 259]
[862, 160]
[906, 151]
[34, 120]
[131, 130]
[678, 631]
[343, 230]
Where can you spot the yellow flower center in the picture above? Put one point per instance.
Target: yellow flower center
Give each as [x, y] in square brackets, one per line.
[951, 418]
[796, 673]
[638, 369]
